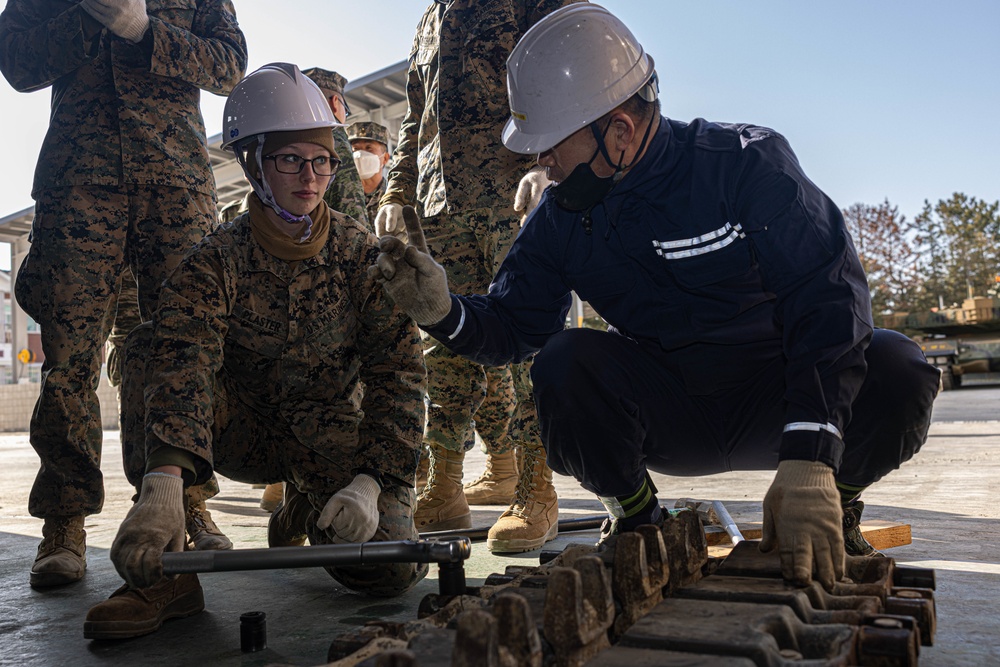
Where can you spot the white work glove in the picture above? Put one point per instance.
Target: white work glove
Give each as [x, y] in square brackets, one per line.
[154, 524]
[389, 221]
[410, 275]
[125, 18]
[804, 519]
[353, 511]
[529, 192]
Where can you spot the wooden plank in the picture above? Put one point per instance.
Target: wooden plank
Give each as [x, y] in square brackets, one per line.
[880, 534]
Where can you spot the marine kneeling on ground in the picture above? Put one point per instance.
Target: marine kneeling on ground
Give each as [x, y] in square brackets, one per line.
[272, 357]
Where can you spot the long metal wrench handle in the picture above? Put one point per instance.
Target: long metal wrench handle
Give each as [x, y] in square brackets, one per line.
[726, 519]
[449, 554]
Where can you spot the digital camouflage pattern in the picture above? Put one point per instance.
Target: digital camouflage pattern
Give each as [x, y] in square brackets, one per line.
[449, 158]
[345, 193]
[369, 130]
[254, 447]
[124, 313]
[374, 197]
[67, 284]
[123, 178]
[451, 165]
[123, 113]
[329, 82]
[493, 418]
[248, 347]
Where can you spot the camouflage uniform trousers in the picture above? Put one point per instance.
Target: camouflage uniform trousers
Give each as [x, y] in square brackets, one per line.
[254, 448]
[124, 311]
[471, 246]
[81, 239]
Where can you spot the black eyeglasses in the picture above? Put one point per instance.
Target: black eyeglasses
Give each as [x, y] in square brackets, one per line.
[290, 163]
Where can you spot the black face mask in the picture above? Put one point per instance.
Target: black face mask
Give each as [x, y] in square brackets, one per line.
[583, 189]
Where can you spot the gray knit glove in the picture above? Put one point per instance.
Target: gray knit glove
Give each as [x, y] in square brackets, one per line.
[804, 520]
[154, 524]
[125, 18]
[352, 512]
[410, 275]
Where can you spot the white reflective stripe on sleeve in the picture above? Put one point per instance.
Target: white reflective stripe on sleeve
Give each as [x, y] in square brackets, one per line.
[813, 426]
[461, 323]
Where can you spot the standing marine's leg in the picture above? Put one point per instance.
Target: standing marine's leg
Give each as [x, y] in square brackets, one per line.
[66, 285]
[497, 484]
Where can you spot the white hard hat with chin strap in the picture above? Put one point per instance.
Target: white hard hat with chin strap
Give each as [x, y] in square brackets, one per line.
[569, 69]
[275, 98]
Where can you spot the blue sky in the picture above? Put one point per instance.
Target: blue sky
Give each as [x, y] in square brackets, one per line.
[894, 99]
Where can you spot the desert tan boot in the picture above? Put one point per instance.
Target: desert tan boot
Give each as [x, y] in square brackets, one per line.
[131, 612]
[62, 553]
[533, 516]
[203, 533]
[288, 523]
[497, 484]
[442, 505]
[272, 496]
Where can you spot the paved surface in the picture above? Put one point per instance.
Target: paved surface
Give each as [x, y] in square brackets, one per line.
[948, 494]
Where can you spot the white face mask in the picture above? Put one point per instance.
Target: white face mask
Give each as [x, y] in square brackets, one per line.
[368, 164]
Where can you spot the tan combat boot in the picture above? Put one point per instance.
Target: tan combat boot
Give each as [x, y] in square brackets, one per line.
[272, 495]
[497, 484]
[62, 553]
[442, 504]
[202, 532]
[533, 516]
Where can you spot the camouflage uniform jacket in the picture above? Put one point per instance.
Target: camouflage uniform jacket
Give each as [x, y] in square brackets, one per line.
[315, 344]
[123, 113]
[346, 193]
[374, 198]
[449, 157]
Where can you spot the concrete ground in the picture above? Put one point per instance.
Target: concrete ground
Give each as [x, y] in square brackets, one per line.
[948, 494]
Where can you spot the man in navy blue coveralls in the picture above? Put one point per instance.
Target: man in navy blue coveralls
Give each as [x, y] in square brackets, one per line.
[740, 332]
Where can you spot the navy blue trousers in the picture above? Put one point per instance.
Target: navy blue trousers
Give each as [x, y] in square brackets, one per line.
[610, 408]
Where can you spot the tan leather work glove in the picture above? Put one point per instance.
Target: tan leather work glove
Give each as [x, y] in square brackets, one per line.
[154, 524]
[125, 18]
[803, 518]
[389, 221]
[410, 275]
[529, 192]
[352, 511]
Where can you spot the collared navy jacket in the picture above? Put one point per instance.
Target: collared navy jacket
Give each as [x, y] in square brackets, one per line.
[716, 248]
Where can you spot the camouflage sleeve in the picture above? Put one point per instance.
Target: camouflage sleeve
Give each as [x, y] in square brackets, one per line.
[212, 55]
[536, 10]
[392, 368]
[36, 47]
[346, 194]
[190, 327]
[402, 178]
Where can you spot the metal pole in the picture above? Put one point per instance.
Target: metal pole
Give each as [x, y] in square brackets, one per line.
[450, 555]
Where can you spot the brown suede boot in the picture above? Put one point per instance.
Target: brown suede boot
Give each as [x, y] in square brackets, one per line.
[497, 484]
[287, 526]
[203, 534]
[272, 496]
[62, 553]
[131, 612]
[533, 516]
[442, 504]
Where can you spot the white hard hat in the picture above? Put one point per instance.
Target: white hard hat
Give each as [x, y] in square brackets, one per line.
[572, 67]
[275, 98]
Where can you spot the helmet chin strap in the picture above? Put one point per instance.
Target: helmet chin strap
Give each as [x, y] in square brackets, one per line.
[263, 190]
